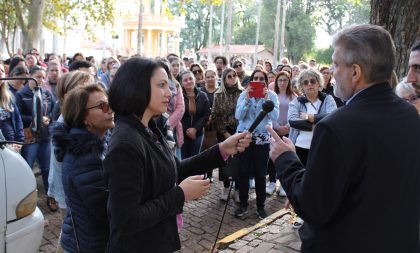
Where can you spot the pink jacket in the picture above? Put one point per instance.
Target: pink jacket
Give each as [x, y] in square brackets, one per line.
[174, 120]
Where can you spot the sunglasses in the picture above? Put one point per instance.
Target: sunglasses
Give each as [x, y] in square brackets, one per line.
[325, 73]
[258, 78]
[104, 106]
[195, 72]
[412, 99]
[237, 66]
[231, 76]
[312, 81]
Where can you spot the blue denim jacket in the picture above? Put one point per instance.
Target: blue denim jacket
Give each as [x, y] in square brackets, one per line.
[248, 110]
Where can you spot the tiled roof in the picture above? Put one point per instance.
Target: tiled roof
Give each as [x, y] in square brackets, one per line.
[235, 49]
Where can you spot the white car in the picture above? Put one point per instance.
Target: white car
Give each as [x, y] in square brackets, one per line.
[21, 222]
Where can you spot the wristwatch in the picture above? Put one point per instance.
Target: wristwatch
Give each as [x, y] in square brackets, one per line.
[307, 117]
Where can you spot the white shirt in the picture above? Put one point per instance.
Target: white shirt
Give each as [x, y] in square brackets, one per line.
[305, 137]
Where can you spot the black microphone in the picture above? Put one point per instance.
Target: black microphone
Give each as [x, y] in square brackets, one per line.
[267, 107]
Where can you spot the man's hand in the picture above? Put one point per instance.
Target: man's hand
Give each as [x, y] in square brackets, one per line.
[279, 146]
[236, 143]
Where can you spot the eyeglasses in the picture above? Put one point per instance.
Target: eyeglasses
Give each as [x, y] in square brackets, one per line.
[237, 66]
[111, 62]
[280, 80]
[231, 76]
[195, 72]
[312, 81]
[104, 106]
[412, 99]
[258, 78]
[325, 73]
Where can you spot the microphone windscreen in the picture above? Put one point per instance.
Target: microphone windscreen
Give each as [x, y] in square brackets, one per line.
[268, 106]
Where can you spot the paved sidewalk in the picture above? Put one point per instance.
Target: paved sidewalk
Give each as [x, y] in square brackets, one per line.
[201, 221]
[274, 234]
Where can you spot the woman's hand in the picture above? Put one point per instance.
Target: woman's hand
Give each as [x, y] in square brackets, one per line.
[248, 90]
[236, 143]
[194, 187]
[265, 93]
[191, 132]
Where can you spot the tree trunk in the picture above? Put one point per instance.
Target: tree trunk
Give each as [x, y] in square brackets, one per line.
[140, 28]
[32, 30]
[400, 18]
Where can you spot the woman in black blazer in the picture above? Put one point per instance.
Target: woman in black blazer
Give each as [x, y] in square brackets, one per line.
[147, 185]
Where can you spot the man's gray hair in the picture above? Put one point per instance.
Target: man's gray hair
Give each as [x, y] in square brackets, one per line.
[369, 46]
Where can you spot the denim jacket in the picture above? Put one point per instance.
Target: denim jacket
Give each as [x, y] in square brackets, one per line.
[247, 111]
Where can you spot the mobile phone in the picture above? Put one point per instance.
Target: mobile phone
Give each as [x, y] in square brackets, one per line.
[257, 89]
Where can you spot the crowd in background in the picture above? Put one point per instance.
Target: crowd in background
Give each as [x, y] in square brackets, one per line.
[210, 101]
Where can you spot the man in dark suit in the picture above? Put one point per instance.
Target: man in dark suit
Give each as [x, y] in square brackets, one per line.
[360, 189]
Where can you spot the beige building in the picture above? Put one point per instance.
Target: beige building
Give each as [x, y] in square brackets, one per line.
[160, 33]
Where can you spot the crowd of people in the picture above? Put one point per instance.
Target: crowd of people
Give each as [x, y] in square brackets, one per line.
[121, 142]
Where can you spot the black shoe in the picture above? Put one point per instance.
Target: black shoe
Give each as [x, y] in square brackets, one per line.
[261, 213]
[241, 211]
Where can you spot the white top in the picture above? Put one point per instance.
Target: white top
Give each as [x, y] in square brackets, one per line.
[305, 137]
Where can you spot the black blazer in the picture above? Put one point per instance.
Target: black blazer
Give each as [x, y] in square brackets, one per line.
[142, 176]
[360, 190]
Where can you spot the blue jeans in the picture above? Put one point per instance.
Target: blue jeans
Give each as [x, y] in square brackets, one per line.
[191, 147]
[42, 152]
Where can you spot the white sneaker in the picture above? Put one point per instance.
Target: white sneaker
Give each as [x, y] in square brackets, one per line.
[225, 193]
[282, 193]
[236, 196]
[270, 188]
[252, 183]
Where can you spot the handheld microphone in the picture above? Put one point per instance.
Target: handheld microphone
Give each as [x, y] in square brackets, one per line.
[267, 107]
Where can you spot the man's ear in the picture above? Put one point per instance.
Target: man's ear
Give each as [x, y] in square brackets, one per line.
[357, 73]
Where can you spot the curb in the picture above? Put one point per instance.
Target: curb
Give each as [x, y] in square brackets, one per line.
[225, 242]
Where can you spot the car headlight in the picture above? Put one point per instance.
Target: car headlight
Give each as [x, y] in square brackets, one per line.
[27, 205]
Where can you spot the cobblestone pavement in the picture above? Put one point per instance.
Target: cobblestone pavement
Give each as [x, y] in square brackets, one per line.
[276, 237]
[201, 220]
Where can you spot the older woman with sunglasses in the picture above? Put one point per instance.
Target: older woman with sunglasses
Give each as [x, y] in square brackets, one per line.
[253, 162]
[80, 147]
[306, 110]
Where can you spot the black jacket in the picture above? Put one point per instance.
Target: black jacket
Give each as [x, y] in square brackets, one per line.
[360, 189]
[142, 176]
[81, 154]
[202, 114]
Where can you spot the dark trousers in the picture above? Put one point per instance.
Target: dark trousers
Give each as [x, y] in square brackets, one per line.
[253, 162]
[302, 153]
[271, 171]
[191, 147]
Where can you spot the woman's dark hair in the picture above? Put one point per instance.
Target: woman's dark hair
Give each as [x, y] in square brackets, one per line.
[129, 93]
[262, 71]
[15, 61]
[286, 66]
[74, 107]
[289, 91]
[77, 54]
[19, 70]
[224, 59]
[35, 69]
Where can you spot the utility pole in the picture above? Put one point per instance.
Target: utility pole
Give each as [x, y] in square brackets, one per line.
[140, 27]
[210, 33]
[222, 18]
[283, 30]
[229, 28]
[258, 33]
[276, 36]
